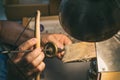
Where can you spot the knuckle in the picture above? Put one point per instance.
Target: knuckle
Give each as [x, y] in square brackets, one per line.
[50, 36]
[20, 47]
[41, 66]
[30, 42]
[38, 60]
[32, 55]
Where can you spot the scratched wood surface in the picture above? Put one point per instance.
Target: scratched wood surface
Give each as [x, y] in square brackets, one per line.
[110, 76]
[82, 51]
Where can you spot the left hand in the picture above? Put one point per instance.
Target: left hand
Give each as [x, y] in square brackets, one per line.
[59, 39]
[31, 62]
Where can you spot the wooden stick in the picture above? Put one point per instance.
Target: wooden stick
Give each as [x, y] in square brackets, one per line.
[37, 29]
[37, 35]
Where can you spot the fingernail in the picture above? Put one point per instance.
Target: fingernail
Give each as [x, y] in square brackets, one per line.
[34, 39]
[61, 46]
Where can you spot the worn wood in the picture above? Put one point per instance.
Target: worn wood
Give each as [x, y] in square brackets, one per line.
[79, 52]
[110, 76]
[37, 29]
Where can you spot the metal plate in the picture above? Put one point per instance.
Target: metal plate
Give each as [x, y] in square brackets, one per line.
[108, 54]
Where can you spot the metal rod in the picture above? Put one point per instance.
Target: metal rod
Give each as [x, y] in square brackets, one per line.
[7, 52]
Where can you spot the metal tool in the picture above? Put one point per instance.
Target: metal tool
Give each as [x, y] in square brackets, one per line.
[6, 52]
[81, 51]
[51, 50]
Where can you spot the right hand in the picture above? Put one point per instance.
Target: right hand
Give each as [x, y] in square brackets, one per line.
[59, 39]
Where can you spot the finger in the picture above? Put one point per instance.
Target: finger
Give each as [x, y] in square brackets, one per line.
[19, 59]
[61, 40]
[40, 67]
[32, 55]
[52, 38]
[62, 53]
[38, 60]
[29, 67]
[28, 44]
[57, 43]
[59, 55]
[65, 40]
[37, 69]
[24, 62]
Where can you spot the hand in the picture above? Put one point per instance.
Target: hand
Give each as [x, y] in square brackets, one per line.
[31, 62]
[59, 39]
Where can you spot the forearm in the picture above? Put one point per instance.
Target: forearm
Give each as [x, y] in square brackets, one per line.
[10, 31]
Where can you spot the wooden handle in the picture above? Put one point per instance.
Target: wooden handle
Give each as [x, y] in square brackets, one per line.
[37, 29]
[37, 35]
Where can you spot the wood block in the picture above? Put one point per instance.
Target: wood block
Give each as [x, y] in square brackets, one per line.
[79, 52]
[110, 76]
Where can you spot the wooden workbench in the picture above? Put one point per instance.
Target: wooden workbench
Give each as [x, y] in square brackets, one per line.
[110, 76]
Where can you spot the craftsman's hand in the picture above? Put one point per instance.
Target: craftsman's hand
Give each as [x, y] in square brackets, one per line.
[59, 39]
[31, 62]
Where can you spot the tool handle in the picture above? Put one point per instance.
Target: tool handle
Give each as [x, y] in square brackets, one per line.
[37, 35]
[37, 29]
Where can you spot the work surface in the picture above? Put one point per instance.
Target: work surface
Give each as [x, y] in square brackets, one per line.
[76, 52]
[55, 68]
[52, 25]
